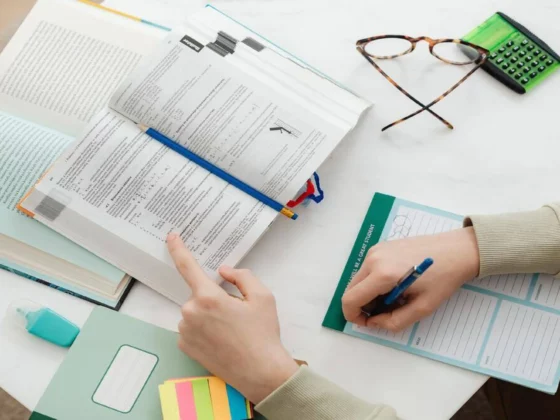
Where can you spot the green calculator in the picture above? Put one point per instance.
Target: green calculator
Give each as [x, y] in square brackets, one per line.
[518, 58]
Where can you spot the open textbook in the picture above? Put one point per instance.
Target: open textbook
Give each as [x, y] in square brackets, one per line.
[57, 72]
[228, 97]
[506, 326]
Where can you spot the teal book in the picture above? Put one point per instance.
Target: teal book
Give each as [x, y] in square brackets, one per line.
[505, 326]
[41, 113]
[113, 370]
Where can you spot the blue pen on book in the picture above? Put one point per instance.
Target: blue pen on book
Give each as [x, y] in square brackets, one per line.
[156, 135]
[383, 303]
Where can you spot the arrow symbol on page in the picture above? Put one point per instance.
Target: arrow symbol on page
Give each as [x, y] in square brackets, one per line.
[281, 129]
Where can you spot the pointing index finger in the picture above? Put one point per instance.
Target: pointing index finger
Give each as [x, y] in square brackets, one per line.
[187, 265]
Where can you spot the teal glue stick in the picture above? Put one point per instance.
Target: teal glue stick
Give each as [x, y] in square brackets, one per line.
[47, 324]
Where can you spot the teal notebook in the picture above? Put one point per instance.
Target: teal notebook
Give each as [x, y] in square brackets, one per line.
[505, 326]
[113, 369]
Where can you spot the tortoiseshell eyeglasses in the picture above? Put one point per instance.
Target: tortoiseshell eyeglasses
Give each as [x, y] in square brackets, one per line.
[392, 46]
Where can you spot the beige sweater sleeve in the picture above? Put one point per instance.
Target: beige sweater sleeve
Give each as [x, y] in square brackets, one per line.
[526, 242]
[308, 396]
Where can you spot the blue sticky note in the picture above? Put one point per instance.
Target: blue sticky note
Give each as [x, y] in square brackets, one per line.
[237, 404]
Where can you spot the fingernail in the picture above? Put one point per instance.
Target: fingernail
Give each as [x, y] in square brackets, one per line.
[172, 236]
[225, 268]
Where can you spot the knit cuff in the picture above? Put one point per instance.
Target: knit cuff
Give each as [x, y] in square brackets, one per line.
[309, 396]
[526, 242]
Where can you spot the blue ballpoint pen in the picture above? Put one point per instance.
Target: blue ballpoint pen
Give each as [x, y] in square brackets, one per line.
[220, 173]
[383, 303]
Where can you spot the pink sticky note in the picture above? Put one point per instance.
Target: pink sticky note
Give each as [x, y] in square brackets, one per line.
[185, 399]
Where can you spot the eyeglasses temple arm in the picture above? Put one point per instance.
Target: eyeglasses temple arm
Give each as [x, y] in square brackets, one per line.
[426, 107]
[412, 98]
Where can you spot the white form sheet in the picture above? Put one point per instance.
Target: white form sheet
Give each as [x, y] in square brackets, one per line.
[506, 326]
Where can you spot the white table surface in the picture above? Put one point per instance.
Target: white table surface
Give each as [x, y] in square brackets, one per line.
[503, 155]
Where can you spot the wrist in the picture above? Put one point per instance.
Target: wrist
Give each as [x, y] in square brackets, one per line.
[274, 372]
[471, 253]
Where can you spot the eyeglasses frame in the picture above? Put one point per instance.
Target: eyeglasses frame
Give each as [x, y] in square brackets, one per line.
[478, 61]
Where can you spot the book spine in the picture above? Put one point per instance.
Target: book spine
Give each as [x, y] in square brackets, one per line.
[62, 289]
[369, 235]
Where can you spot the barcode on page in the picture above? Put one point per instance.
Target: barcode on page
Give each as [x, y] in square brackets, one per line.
[250, 42]
[50, 208]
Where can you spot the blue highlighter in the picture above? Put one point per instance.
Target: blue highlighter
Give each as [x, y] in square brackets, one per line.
[45, 323]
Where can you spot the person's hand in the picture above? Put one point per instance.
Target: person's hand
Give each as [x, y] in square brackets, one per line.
[237, 340]
[456, 261]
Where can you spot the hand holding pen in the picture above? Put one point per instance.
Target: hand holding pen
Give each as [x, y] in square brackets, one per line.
[388, 264]
[389, 301]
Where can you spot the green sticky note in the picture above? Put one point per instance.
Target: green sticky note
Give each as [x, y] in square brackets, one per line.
[202, 400]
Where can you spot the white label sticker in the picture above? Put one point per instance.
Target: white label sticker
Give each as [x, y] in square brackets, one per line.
[124, 380]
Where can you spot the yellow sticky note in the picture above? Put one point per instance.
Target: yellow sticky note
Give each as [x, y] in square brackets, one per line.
[220, 403]
[169, 405]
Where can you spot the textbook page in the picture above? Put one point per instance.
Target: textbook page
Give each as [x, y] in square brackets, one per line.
[249, 128]
[26, 152]
[506, 326]
[66, 60]
[118, 193]
[293, 71]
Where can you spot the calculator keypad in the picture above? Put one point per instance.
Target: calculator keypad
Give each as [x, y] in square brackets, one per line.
[521, 59]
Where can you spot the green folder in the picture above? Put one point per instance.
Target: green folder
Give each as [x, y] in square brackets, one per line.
[113, 369]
